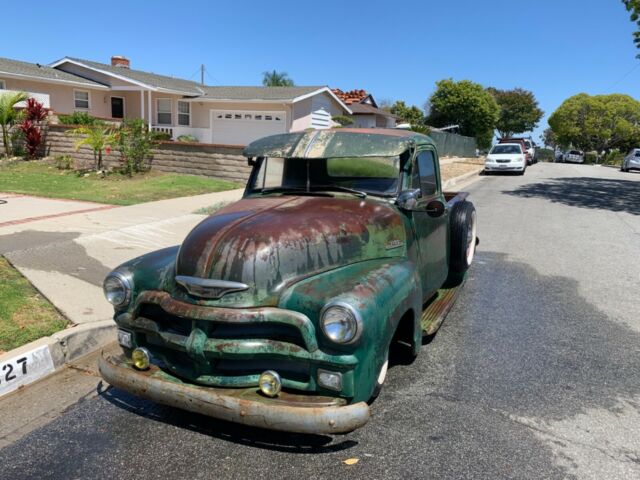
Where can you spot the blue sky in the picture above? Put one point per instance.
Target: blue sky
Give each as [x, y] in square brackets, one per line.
[395, 50]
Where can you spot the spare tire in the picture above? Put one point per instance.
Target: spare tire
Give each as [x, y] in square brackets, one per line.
[462, 238]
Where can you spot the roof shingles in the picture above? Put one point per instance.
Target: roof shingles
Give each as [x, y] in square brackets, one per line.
[16, 67]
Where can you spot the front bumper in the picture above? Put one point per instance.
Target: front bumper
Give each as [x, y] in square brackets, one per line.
[504, 167]
[288, 412]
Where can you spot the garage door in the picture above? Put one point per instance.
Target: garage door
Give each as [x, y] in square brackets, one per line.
[242, 127]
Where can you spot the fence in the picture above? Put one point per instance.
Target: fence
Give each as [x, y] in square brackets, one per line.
[452, 145]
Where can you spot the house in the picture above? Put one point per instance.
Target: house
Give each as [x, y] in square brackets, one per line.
[228, 115]
[365, 111]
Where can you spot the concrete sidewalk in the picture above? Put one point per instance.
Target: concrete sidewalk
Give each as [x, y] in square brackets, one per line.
[66, 258]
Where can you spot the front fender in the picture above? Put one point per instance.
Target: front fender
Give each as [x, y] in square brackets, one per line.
[381, 290]
[153, 271]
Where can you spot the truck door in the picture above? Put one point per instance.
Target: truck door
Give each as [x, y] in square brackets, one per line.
[431, 222]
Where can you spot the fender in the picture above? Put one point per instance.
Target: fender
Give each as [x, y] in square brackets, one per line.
[382, 291]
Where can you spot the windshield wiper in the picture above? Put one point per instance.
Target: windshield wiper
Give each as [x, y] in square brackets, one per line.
[338, 188]
[291, 190]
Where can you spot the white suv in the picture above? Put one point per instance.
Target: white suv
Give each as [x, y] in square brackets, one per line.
[631, 161]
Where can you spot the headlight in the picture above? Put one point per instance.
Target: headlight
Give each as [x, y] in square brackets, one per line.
[117, 289]
[340, 322]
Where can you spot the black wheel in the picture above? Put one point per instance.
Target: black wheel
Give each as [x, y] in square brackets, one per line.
[462, 225]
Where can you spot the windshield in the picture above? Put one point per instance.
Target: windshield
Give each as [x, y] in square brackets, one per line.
[370, 175]
[504, 149]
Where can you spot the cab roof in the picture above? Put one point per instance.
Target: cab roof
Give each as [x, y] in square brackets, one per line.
[342, 142]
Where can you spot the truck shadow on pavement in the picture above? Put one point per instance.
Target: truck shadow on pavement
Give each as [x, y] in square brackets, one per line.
[586, 192]
[223, 430]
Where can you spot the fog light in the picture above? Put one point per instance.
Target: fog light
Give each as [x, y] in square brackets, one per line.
[270, 383]
[141, 358]
[330, 380]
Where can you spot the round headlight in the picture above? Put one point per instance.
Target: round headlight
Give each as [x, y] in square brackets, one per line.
[270, 383]
[339, 322]
[141, 358]
[117, 289]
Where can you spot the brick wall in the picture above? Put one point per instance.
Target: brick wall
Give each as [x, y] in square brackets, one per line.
[197, 159]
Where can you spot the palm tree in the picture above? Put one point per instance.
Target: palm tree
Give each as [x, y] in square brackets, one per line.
[97, 137]
[8, 116]
[276, 79]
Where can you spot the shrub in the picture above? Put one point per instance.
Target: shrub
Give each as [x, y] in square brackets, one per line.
[135, 142]
[187, 139]
[16, 139]
[343, 120]
[79, 118]
[160, 136]
[545, 155]
[64, 162]
[34, 114]
[97, 137]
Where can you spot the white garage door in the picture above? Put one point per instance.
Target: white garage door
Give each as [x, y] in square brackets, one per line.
[241, 127]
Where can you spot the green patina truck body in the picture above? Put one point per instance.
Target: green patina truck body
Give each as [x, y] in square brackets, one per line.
[279, 310]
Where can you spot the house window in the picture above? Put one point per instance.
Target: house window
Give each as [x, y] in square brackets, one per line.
[81, 99]
[184, 113]
[3, 85]
[163, 105]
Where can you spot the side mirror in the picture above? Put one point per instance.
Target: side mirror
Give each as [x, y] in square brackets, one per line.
[408, 199]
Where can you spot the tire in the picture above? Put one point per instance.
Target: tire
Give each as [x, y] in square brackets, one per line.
[382, 376]
[462, 237]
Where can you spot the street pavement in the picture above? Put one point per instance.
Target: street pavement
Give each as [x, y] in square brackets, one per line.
[534, 374]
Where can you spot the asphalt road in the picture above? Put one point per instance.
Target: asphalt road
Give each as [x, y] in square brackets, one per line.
[534, 374]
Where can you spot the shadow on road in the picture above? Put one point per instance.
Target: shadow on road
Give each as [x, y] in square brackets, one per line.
[231, 432]
[586, 192]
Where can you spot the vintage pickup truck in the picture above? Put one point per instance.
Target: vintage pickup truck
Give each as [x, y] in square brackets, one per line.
[279, 310]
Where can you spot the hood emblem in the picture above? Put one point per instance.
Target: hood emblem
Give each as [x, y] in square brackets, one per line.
[209, 288]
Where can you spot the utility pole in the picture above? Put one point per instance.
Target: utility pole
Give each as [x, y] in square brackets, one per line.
[202, 74]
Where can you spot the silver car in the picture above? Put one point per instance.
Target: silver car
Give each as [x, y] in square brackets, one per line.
[631, 161]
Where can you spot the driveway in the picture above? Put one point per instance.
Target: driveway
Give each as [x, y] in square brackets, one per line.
[534, 374]
[67, 252]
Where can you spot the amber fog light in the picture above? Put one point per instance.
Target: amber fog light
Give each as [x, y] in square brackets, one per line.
[270, 383]
[141, 358]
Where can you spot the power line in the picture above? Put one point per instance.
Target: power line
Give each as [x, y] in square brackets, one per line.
[626, 75]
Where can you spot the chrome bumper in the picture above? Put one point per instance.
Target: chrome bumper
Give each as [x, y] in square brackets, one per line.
[289, 413]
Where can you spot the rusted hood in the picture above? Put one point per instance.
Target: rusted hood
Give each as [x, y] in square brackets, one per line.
[268, 243]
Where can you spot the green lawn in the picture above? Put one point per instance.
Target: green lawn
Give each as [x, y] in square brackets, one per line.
[38, 178]
[24, 314]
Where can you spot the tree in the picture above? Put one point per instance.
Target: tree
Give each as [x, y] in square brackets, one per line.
[99, 138]
[276, 79]
[633, 7]
[549, 138]
[412, 115]
[466, 104]
[599, 122]
[519, 111]
[8, 116]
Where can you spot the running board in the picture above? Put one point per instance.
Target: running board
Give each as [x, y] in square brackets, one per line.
[434, 314]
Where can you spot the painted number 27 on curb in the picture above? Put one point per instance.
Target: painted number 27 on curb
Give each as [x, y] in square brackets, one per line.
[8, 370]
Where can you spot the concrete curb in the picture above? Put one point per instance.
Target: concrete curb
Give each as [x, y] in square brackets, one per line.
[42, 357]
[465, 176]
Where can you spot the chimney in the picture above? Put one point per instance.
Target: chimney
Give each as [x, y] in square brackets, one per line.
[120, 61]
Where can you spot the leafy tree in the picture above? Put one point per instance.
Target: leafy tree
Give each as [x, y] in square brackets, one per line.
[276, 79]
[599, 122]
[99, 138]
[8, 116]
[407, 114]
[633, 7]
[549, 138]
[519, 111]
[466, 104]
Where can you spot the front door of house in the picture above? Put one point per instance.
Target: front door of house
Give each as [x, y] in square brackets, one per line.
[117, 107]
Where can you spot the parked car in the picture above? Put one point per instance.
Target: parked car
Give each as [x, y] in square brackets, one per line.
[631, 161]
[279, 311]
[531, 150]
[506, 157]
[573, 156]
[523, 144]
